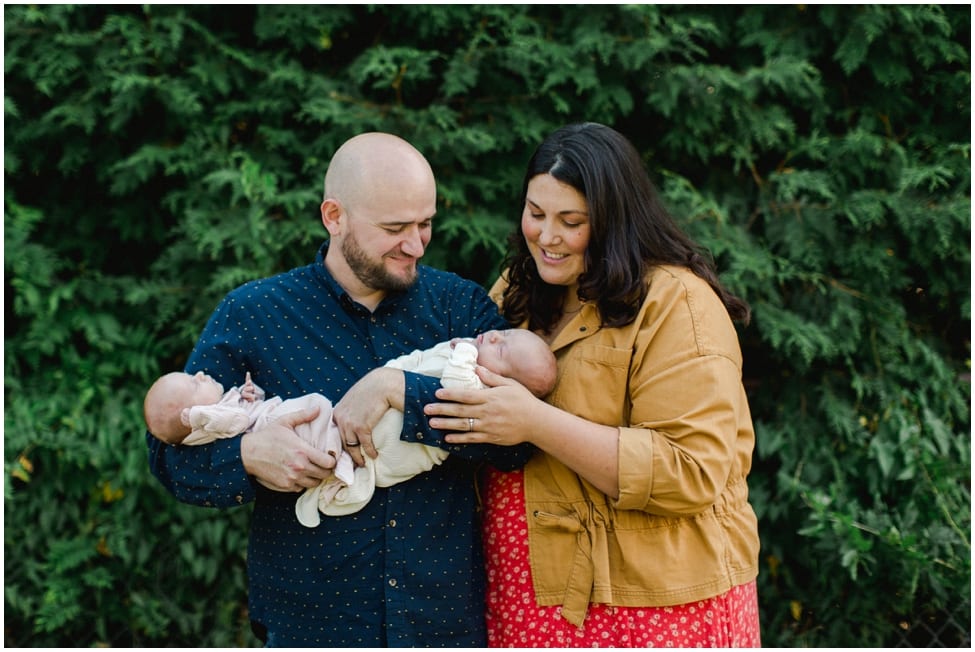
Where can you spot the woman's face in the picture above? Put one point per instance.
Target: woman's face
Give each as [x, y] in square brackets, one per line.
[555, 223]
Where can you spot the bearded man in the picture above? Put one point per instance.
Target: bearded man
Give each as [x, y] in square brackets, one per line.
[406, 570]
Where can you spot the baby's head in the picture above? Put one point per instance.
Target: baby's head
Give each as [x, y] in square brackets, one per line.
[173, 395]
[520, 354]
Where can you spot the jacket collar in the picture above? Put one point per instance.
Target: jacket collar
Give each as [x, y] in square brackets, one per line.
[583, 325]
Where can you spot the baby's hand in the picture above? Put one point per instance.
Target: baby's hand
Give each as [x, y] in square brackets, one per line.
[247, 391]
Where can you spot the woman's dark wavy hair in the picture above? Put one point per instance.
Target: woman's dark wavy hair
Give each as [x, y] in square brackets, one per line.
[630, 232]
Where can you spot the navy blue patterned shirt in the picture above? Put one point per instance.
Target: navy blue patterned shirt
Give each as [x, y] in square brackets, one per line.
[407, 569]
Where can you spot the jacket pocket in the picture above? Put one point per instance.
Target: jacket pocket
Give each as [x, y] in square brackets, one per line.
[586, 368]
[566, 523]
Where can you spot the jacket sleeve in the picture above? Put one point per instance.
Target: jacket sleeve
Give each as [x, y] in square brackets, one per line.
[690, 446]
[688, 412]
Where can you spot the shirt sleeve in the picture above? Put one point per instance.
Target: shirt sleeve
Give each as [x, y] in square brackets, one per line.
[209, 475]
[481, 315]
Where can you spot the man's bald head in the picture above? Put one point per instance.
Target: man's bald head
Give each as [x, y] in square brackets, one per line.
[375, 164]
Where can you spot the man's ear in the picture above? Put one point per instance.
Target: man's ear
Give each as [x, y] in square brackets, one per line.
[333, 215]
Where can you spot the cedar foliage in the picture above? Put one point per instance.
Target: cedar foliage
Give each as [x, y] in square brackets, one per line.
[158, 155]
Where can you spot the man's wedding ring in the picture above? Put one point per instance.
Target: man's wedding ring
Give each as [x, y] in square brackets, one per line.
[352, 444]
[470, 424]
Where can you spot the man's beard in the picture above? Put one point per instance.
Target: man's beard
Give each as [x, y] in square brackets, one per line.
[369, 273]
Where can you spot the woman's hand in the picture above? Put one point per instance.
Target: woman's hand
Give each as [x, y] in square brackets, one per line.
[506, 413]
[495, 415]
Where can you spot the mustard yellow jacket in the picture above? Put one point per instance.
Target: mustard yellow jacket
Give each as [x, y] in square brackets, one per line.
[682, 529]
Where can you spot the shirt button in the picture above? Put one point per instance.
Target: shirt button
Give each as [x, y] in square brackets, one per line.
[392, 522]
[419, 435]
[392, 582]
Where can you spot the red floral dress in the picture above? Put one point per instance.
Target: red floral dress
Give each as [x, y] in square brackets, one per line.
[515, 620]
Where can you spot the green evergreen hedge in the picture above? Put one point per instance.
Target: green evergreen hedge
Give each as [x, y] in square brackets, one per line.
[157, 156]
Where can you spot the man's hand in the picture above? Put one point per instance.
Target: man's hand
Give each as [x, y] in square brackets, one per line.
[364, 405]
[280, 460]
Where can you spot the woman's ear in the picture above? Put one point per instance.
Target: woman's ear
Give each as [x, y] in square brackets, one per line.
[332, 216]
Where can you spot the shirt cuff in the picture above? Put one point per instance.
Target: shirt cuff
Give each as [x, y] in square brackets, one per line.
[234, 486]
[420, 390]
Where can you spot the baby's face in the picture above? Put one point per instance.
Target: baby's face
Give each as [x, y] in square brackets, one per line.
[200, 389]
[503, 352]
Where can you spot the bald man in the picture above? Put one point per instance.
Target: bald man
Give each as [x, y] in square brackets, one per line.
[405, 570]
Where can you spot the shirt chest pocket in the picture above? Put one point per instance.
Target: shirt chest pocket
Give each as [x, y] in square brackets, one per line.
[594, 383]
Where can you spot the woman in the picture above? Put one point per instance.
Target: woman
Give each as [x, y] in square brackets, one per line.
[631, 524]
